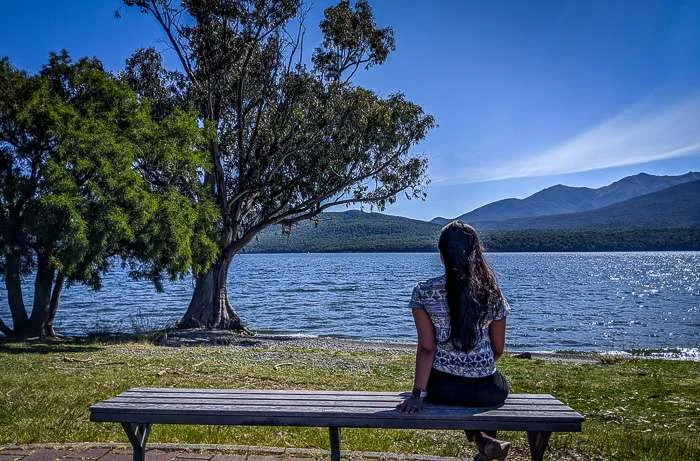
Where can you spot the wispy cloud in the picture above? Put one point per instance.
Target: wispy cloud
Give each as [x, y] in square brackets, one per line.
[640, 134]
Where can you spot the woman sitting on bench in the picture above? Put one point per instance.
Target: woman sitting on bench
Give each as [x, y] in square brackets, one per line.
[461, 323]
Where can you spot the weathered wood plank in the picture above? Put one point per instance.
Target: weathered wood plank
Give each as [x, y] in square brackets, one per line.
[308, 397]
[302, 406]
[531, 412]
[392, 398]
[297, 392]
[426, 413]
[431, 412]
[311, 397]
[306, 405]
[266, 398]
[411, 422]
[265, 401]
[263, 398]
[224, 401]
[258, 391]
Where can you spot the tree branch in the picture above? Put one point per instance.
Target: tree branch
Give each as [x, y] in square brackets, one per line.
[248, 236]
[349, 181]
[325, 206]
[166, 21]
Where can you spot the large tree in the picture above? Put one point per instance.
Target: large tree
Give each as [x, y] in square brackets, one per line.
[288, 138]
[88, 177]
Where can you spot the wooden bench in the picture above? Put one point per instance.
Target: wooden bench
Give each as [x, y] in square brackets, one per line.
[137, 409]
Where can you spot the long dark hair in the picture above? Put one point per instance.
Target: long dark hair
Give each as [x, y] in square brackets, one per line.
[472, 291]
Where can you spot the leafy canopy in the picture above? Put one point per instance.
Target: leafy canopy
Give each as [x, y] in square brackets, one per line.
[87, 174]
[286, 140]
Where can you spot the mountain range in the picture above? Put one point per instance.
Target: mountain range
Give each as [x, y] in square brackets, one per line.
[560, 199]
[676, 207]
[640, 212]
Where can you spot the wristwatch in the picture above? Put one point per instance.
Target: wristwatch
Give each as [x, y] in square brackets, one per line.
[418, 393]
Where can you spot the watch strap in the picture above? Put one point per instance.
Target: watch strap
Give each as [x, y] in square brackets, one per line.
[419, 393]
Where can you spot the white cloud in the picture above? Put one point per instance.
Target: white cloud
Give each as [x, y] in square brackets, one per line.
[638, 135]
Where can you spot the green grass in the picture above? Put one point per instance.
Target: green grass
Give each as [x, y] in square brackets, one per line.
[635, 410]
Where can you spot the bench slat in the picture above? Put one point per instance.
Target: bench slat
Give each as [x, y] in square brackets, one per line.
[283, 393]
[429, 411]
[308, 404]
[292, 398]
[265, 397]
[412, 422]
[301, 398]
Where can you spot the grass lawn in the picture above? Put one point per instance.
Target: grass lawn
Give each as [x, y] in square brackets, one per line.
[635, 409]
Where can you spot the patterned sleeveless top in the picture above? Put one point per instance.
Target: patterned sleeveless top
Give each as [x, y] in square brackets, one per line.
[430, 296]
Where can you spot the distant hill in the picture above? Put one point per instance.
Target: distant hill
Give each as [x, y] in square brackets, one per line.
[676, 207]
[351, 231]
[559, 199]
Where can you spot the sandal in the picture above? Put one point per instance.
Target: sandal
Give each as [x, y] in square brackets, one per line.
[491, 449]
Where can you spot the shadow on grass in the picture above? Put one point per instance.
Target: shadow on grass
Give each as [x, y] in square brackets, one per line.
[68, 344]
[169, 337]
[17, 347]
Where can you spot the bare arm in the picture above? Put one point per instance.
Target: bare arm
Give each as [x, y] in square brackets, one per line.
[497, 333]
[424, 360]
[426, 348]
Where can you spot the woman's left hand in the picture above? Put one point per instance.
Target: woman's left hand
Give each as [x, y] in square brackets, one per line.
[410, 405]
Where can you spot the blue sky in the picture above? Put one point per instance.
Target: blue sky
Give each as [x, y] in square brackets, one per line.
[526, 94]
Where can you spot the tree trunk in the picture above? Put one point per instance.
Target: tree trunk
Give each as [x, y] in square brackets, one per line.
[210, 307]
[46, 300]
[42, 299]
[53, 304]
[4, 329]
[13, 284]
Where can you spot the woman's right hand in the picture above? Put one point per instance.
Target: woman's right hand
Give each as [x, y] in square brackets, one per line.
[410, 405]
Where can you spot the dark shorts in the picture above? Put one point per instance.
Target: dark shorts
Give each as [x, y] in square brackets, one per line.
[448, 389]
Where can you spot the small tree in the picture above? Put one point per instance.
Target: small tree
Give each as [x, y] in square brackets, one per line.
[286, 141]
[87, 176]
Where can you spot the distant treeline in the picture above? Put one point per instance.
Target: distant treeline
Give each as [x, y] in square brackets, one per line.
[495, 241]
[591, 240]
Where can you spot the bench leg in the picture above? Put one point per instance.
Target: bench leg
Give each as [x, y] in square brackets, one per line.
[138, 436]
[538, 444]
[334, 433]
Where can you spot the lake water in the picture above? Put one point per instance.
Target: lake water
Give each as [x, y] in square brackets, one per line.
[560, 301]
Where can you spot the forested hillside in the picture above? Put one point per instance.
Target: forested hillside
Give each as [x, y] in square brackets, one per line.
[369, 232]
[668, 219]
[351, 231]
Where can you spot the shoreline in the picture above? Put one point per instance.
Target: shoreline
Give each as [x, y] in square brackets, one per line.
[267, 340]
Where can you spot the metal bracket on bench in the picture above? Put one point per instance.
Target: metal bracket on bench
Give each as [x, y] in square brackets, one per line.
[538, 444]
[334, 433]
[138, 436]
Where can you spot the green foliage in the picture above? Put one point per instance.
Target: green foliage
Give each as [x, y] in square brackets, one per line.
[87, 175]
[351, 39]
[286, 141]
